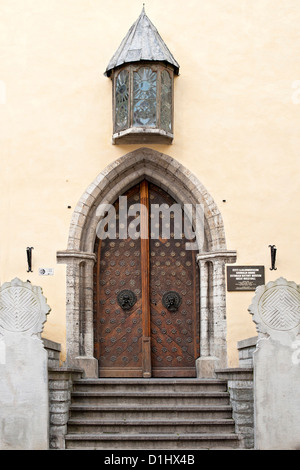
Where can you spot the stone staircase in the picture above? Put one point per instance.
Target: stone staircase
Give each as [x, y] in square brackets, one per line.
[150, 414]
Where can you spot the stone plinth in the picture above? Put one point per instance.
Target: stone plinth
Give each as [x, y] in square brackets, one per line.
[276, 312]
[24, 407]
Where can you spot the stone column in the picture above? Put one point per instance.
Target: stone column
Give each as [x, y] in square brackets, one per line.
[205, 308]
[79, 310]
[24, 396]
[213, 346]
[276, 312]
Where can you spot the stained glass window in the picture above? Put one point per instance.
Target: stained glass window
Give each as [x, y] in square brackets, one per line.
[122, 96]
[144, 97]
[166, 102]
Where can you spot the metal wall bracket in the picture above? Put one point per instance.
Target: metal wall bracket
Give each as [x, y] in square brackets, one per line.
[273, 257]
[29, 258]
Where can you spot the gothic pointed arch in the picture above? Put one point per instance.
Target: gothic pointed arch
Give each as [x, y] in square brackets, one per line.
[185, 188]
[128, 170]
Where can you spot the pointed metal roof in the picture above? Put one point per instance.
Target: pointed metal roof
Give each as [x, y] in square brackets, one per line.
[142, 42]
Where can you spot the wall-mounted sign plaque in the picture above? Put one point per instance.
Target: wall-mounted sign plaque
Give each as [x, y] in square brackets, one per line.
[245, 278]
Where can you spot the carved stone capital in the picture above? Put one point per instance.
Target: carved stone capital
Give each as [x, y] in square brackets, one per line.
[63, 257]
[227, 256]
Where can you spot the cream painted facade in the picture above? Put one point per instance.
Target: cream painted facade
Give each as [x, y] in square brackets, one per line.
[237, 114]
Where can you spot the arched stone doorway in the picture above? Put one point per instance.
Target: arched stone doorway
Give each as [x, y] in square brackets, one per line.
[177, 181]
[146, 289]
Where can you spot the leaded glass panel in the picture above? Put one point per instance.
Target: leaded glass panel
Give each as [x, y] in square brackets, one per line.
[144, 97]
[166, 102]
[122, 96]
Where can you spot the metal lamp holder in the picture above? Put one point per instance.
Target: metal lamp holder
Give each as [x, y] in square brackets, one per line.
[273, 257]
[29, 258]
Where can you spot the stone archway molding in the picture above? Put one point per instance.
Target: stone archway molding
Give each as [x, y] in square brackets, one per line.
[79, 257]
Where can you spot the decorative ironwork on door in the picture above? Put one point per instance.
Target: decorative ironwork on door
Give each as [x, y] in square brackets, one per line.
[146, 297]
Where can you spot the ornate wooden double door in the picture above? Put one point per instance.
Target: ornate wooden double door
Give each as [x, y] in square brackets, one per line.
[146, 296]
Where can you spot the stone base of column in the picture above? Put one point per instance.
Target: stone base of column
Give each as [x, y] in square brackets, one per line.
[206, 367]
[89, 365]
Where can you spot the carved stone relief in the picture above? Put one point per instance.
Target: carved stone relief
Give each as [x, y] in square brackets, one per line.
[23, 307]
[276, 307]
[24, 417]
[276, 313]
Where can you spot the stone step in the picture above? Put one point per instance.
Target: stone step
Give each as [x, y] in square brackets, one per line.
[162, 398]
[150, 411]
[159, 426]
[151, 385]
[150, 414]
[151, 441]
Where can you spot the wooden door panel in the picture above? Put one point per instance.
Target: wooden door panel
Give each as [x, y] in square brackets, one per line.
[118, 333]
[175, 333]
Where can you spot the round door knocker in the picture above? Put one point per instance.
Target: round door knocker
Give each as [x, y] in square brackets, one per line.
[171, 301]
[126, 299]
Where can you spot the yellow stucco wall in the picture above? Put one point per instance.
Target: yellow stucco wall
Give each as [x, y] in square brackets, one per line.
[237, 121]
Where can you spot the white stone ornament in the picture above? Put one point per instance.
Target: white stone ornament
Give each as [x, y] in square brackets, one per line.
[276, 307]
[276, 313]
[24, 395]
[23, 308]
